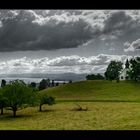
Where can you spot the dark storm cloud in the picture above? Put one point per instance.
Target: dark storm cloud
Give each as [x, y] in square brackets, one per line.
[21, 33]
[22, 30]
[117, 23]
[125, 25]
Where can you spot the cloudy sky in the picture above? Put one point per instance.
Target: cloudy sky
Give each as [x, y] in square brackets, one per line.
[61, 41]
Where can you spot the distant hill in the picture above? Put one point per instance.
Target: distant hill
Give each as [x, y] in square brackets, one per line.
[57, 77]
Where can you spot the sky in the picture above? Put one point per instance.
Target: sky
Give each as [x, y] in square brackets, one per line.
[66, 41]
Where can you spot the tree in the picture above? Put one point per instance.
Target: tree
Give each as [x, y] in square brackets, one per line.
[3, 83]
[70, 81]
[134, 72]
[18, 95]
[113, 70]
[57, 84]
[33, 84]
[43, 84]
[45, 99]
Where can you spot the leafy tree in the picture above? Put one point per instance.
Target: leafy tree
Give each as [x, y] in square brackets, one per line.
[57, 84]
[3, 83]
[94, 77]
[134, 72]
[33, 84]
[45, 99]
[18, 95]
[70, 81]
[113, 70]
[43, 84]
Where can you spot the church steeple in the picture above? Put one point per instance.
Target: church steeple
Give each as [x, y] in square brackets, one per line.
[127, 64]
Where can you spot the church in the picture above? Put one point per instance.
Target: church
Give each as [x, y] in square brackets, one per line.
[124, 73]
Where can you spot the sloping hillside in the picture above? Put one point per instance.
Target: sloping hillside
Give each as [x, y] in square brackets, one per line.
[96, 91]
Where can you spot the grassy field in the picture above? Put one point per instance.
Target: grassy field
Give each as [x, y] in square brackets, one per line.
[100, 116]
[111, 106]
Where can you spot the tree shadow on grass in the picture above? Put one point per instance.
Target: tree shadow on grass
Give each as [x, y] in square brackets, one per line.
[11, 117]
[47, 110]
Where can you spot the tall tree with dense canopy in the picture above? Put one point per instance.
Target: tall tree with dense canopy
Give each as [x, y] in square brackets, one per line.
[134, 72]
[18, 95]
[113, 70]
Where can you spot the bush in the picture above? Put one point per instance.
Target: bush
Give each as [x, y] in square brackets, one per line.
[95, 77]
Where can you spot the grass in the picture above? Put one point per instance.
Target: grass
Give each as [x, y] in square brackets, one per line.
[96, 91]
[100, 116]
[111, 106]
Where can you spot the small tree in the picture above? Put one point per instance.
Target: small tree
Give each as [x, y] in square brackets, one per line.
[57, 84]
[70, 81]
[3, 83]
[43, 84]
[18, 95]
[33, 84]
[45, 99]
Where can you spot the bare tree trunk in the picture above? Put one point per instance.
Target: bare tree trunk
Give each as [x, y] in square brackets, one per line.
[1, 111]
[14, 111]
[40, 107]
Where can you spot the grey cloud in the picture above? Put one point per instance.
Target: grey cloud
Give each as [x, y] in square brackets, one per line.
[134, 46]
[123, 24]
[18, 34]
[22, 30]
[117, 23]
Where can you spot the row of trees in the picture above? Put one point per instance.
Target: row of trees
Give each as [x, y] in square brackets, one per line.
[17, 95]
[44, 83]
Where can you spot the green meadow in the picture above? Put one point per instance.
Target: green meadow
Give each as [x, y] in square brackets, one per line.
[111, 106]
